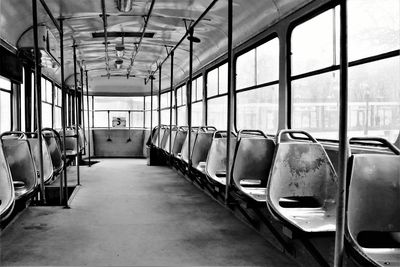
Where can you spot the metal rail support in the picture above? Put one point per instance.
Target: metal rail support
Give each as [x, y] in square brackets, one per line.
[82, 113]
[38, 74]
[159, 107]
[151, 105]
[230, 100]
[88, 116]
[343, 142]
[76, 118]
[189, 95]
[63, 117]
[171, 107]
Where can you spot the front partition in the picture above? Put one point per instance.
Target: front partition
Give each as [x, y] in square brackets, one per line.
[115, 142]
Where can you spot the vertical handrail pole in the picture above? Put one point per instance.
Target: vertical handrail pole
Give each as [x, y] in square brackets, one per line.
[171, 107]
[343, 143]
[151, 105]
[230, 99]
[82, 113]
[88, 116]
[159, 106]
[38, 97]
[76, 118]
[189, 95]
[63, 116]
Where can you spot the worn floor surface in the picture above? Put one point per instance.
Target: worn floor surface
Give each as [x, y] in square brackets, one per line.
[127, 213]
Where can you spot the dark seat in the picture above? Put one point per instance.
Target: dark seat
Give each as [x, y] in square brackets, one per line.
[215, 166]
[7, 196]
[373, 211]
[47, 162]
[201, 147]
[20, 162]
[252, 163]
[302, 185]
[53, 142]
[179, 140]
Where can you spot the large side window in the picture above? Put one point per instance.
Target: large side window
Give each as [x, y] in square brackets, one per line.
[165, 108]
[217, 99]
[197, 104]
[374, 83]
[57, 107]
[314, 79]
[47, 103]
[5, 104]
[257, 91]
[181, 105]
[22, 102]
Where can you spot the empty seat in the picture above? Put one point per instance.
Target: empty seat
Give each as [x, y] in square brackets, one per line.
[179, 140]
[6, 188]
[373, 211]
[47, 163]
[201, 147]
[252, 163]
[20, 162]
[165, 132]
[159, 133]
[71, 148]
[170, 138]
[302, 184]
[216, 160]
[184, 154]
[53, 143]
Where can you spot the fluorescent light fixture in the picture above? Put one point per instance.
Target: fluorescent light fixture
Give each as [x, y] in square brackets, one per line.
[124, 5]
[118, 63]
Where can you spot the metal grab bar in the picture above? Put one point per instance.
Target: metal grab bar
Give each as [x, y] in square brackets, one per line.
[290, 131]
[380, 140]
[252, 132]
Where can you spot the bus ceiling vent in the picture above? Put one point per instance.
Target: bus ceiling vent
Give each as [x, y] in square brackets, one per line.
[124, 5]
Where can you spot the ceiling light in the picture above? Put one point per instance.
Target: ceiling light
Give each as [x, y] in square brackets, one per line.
[194, 39]
[120, 48]
[124, 5]
[118, 63]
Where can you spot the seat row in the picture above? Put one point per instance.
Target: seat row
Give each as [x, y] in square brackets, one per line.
[296, 180]
[20, 161]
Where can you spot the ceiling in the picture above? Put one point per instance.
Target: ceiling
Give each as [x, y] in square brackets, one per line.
[166, 21]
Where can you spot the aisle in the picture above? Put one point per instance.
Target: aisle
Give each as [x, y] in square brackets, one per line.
[127, 213]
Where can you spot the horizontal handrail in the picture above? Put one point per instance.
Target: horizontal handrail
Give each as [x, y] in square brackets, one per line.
[292, 131]
[380, 140]
[252, 132]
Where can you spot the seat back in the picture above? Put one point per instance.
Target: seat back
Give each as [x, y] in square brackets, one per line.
[252, 161]
[165, 137]
[201, 147]
[154, 135]
[184, 152]
[216, 160]
[19, 159]
[373, 211]
[53, 143]
[6, 188]
[301, 171]
[70, 140]
[171, 137]
[160, 135]
[47, 163]
[179, 141]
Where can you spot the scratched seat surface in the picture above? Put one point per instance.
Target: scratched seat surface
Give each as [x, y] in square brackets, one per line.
[215, 166]
[373, 224]
[6, 188]
[302, 186]
[251, 165]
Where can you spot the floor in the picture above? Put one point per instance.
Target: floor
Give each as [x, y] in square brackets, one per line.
[127, 213]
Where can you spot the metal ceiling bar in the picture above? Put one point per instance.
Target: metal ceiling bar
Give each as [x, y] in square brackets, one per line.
[88, 115]
[63, 118]
[172, 93]
[38, 87]
[104, 17]
[190, 28]
[51, 15]
[141, 37]
[230, 111]
[76, 118]
[343, 142]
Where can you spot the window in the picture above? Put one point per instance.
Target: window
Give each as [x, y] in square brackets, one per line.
[257, 94]
[181, 105]
[57, 107]
[165, 107]
[197, 104]
[5, 104]
[197, 89]
[47, 103]
[197, 114]
[374, 95]
[107, 108]
[315, 98]
[22, 103]
[217, 89]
